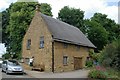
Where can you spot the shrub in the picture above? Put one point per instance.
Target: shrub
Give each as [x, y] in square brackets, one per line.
[89, 63]
[104, 73]
[97, 74]
[110, 55]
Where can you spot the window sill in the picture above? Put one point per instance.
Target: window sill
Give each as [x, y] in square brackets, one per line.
[41, 48]
[65, 64]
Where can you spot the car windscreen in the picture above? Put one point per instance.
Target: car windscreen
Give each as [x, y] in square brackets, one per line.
[13, 63]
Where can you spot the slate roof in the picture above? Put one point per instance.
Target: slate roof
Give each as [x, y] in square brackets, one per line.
[64, 32]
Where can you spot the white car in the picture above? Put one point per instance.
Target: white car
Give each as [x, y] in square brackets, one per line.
[11, 66]
[1, 64]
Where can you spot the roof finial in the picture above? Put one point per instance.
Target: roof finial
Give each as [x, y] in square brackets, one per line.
[37, 8]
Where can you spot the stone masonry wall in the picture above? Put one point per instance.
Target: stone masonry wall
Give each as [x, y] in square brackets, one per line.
[42, 56]
[71, 51]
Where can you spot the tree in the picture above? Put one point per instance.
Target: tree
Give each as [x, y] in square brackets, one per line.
[5, 23]
[108, 24]
[101, 30]
[96, 33]
[0, 27]
[6, 56]
[46, 9]
[17, 19]
[110, 55]
[72, 16]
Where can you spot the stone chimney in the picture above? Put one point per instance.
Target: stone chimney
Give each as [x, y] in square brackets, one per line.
[37, 8]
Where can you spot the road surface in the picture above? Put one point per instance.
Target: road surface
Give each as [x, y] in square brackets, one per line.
[4, 75]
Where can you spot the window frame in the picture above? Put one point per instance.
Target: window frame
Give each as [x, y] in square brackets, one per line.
[65, 60]
[28, 46]
[41, 43]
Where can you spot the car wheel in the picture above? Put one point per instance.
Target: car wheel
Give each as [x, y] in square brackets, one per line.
[7, 71]
[22, 73]
[2, 70]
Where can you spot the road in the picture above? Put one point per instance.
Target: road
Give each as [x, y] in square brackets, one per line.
[4, 75]
[35, 74]
[71, 74]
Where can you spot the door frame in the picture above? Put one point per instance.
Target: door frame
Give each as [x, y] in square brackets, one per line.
[81, 63]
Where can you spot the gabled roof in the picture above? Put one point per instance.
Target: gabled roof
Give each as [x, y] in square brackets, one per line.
[64, 32]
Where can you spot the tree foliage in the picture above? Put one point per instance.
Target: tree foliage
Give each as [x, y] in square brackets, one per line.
[0, 28]
[110, 55]
[96, 34]
[101, 30]
[111, 27]
[16, 20]
[72, 16]
[6, 56]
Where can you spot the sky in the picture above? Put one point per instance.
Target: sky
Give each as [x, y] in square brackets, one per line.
[108, 7]
[2, 49]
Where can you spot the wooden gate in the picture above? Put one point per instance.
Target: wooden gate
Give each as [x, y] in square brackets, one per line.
[77, 63]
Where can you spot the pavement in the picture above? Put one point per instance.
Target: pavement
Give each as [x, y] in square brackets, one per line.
[0, 75]
[73, 74]
[4, 75]
[36, 74]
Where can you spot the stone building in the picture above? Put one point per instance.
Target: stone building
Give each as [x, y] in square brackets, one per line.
[56, 46]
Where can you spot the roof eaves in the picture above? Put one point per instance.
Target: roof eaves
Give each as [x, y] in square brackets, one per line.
[72, 42]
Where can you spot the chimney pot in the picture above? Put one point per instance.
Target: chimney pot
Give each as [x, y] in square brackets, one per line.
[37, 8]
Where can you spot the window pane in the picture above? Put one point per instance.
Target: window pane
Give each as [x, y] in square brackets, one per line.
[42, 42]
[65, 60]
[28, 43]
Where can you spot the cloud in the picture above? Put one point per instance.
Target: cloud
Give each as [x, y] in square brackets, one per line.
[111, 11]
[2, 49]
[90, 7]
[111, 0]
[3, 4]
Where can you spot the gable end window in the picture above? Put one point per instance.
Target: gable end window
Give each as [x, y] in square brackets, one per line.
[28, 44]
[65, 59]
[42, 42]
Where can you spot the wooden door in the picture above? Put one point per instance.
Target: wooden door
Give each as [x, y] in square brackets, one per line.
[77, 63]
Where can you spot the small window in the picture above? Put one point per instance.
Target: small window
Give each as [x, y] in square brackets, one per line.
[26, 60]
[65, 45]
[65, 58]
[28, 43]
[42, 42]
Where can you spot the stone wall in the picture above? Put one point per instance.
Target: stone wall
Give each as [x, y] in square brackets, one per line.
[71, 51]
[42, 56]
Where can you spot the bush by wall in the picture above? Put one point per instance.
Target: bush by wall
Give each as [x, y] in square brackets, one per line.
[89, 63]
[97, 74]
